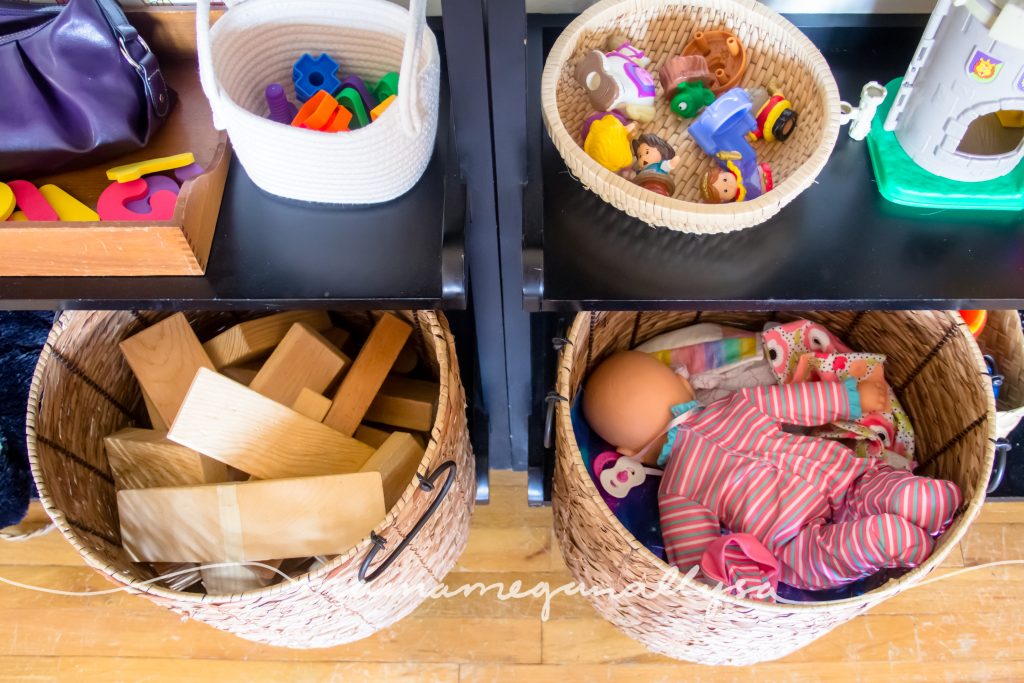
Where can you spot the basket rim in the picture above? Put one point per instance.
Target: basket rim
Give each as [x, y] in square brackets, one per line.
[864, 601]
[438, 333]
[601, 181]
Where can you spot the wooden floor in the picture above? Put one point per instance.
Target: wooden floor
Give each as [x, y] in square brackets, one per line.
[967, 628]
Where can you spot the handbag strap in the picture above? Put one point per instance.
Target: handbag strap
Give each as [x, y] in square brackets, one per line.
[137, 53]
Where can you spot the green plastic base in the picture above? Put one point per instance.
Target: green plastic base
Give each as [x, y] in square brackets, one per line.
[902, 181]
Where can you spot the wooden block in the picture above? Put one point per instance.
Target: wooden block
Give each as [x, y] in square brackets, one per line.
[303, 359]
[337, 337]
[314, 406]
[371, 436]
[367, 373]
[406, 403]
[240, 373]
[155, 420]
[165, 358]
[145, 458]
[248, 340]
[238, 578]
[227, 421]
[406, 361]
[397, 460]
[251, 520]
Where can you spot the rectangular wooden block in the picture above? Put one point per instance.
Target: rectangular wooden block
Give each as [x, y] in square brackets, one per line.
[337, 336]
[165, 358]
[243, 374]
[246, 341]
[251, 520]
[397, 460]
[406, 403]
[145, 458]
[371, 436]
[303, 359]
[314, 406]
[367, 373]
[238, 578]
[227, 421]
[155, 421]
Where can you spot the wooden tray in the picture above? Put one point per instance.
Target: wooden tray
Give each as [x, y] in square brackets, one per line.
[180, 246]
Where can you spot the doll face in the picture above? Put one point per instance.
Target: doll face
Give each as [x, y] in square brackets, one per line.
[726, 186]
[647, 155]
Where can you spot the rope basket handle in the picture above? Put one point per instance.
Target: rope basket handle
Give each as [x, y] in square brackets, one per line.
[7, 535]
[408, 88]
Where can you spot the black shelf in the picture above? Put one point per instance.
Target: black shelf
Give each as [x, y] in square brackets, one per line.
[270, 252]
[839, 245]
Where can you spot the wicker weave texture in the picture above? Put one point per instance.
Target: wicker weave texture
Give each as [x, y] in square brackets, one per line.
[1003, 339]
[661, 28]
[936, 370]
[83, 390]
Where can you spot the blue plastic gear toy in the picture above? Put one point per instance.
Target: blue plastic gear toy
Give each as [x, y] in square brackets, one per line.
[311, 75]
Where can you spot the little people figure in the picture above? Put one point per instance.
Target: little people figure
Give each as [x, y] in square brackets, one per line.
[655, 160]
[735, 180]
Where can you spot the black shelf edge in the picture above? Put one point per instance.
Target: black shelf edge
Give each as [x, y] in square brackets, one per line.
[838, 246]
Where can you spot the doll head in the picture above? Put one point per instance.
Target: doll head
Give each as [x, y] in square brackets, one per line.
[650, 149]
[719, 186]
[628, 400]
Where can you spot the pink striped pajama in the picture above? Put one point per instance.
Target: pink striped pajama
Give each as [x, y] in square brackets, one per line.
[826, 516]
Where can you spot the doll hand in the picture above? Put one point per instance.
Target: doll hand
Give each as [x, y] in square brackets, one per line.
[874, 397]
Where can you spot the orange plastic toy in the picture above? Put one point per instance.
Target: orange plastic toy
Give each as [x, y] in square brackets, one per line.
[379, 109]
[322, 112]
[726, 57]
[975, 321]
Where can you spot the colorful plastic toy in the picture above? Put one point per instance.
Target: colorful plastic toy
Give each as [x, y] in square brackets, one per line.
[386, 86]
[156, 183]
[975, 321]
[379, 109]
[860, 118]
[321, 112]
[111, 205]
[281, 109]
[351, 100]
[736, 179]
[359, 86]
[31, 201]
[685, 81]
[655, 160]
[67, 207]
[690, 99]
[725, 124]
[726, 57]
[188, 172]
[618, 80]
[7, 202]
[18, 216]
[311, 75]
[608, 143]
[776, 118]
[136, 170]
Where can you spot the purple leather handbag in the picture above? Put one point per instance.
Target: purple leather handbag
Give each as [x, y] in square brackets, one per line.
[78, 85]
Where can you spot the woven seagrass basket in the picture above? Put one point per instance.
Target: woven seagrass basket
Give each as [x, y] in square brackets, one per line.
[939, 376]
[1003, 339]
[83, 390]
[661, 28]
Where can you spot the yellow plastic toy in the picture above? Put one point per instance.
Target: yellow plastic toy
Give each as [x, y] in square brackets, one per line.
[66, 206]
[18, 216]
[134, 171]
[6, 201]
[379, 109]
[607, 143]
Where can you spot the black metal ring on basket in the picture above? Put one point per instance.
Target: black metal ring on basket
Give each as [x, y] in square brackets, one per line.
[426, 484]
[999, 468]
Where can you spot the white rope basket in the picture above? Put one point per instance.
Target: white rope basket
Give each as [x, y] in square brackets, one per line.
[257, 42]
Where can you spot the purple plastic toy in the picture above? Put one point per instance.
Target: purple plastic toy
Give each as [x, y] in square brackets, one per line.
[155, 184]
[723, 126]
[360, 87]
[281, 110]
[312, 74]
[188, 172]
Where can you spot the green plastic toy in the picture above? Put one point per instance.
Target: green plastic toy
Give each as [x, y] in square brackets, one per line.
[691, 98]
[902, 181]
[386, 86]
[353, 101]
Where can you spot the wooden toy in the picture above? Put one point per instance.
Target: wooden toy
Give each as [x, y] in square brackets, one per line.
[137, 169]
[243, 374]
[725, 55]
[281, 108]
[655, 160]
[311, 75]
[608, 142]
[112, 203]
[303, 359]
[188, 172]
[321, 112]
[337, 336]
[618, 79]
[371, 436]
[249, 340]
[165, 357]
[406, 403]
[7, 201]
[357, 84]
[386, 86]
[154, 183]
[234, 424]
[155, 421]
[235, 522]
[397, 460]
[145, 458]
[31, 201]
[350, 99]
[379, 109]
[367, 373]
[776, 118]
[67, 207]
[314, 406]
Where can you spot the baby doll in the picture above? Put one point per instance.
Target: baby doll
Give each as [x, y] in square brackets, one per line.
[801, 510]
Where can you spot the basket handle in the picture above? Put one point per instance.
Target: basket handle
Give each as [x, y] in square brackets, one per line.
[426, 484]
[204, 55]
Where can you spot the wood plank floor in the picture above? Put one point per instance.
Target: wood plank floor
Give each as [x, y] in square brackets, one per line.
[967, 628]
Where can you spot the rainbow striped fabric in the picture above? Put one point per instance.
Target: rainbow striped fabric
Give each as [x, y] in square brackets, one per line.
[701, 358]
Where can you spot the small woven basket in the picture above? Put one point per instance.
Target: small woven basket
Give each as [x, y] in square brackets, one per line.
[83, 390]
[256, 43]
[939, 376]
[1003, 339]
[661, 28]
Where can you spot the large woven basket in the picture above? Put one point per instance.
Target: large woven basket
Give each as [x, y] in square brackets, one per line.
[939, 376]
[661, 28]
[83, 390]
[1003, 339]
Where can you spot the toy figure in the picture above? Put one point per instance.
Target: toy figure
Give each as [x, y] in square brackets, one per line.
[725, 124]
[618, 80]
[607, 141]
[685, 81]
[736, 180]
[776, 118]
[655, 160]
[799, 509]
[725, 56]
